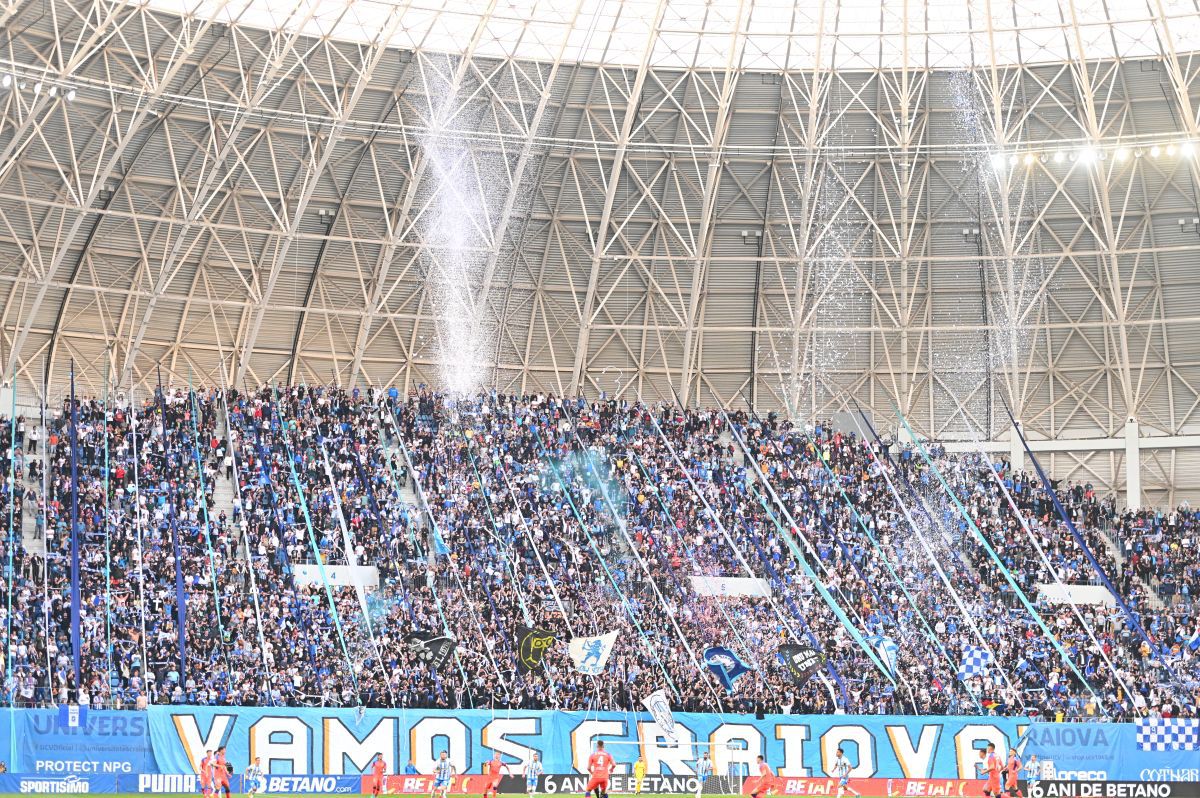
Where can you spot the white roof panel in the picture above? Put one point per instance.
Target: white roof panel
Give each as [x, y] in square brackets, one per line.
[872, 34]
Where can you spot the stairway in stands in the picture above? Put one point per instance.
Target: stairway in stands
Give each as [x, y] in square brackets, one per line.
[1113, 550]
[224, 491]
[32, 542]
[394, 453]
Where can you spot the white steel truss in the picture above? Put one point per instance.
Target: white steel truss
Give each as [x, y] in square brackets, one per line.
[711, 216]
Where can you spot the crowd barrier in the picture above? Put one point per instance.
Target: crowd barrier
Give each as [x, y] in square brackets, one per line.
[99, 747]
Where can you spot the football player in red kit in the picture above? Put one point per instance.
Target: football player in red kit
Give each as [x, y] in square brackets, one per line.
[1012, 774]
[600, 766]
[766, 779]
[378, 772]
[221, 775]
[991, 764]
[492, 769]
[206, 774]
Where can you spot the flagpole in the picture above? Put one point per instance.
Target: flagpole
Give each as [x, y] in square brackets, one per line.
[12, 512]
[75, 609]
[45, 516]
[137, 525]
[108, 614]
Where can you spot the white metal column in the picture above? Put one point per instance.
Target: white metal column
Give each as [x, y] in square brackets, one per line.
[1016, 452]
[1133, 464]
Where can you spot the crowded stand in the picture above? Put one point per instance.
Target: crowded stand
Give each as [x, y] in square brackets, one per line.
[202, 517]
[1163, 549]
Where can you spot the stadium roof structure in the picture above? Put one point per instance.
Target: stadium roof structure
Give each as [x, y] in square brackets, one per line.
[942, 206]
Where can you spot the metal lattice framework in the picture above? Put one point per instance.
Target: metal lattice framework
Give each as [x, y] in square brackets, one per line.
[799, 216]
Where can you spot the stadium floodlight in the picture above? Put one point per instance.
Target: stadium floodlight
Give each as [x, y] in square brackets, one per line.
[1059, 156]
[1086, 155]
[998, 160]
[1155, 151]
[1170, 149]
[1121, 154]
[71, 95]
[6, 82]
[1029, 159]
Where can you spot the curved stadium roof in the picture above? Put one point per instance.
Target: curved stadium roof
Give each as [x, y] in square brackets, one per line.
[838, 34]
[942, 205]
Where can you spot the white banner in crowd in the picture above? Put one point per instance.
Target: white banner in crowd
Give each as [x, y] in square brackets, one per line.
[365, 576]
[660, 709]
[590, 654]
[730, 586]
[1077, 594]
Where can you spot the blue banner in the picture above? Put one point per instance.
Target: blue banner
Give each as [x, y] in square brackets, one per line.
[1162, 751]
[344, 741]
[43, 741]
[165, 741]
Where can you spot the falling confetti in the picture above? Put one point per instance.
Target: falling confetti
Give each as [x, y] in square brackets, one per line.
[993, 336]
[466, 183]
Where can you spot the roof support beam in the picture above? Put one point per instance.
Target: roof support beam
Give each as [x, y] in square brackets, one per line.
[148, 93]
[326, 143]
[600, 236]
[707, 224]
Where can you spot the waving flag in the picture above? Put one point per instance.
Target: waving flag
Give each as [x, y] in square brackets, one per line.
[975, 662]
[532, 645]
[725, 664]
[590, 654]
[660, 709]
[886, 648]
[431, 648]
[801, 661]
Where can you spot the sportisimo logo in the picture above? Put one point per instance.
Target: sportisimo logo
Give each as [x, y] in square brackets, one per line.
[66, 784]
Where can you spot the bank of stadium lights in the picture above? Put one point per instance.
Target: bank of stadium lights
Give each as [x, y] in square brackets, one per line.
[1089, 154]
[9, 81]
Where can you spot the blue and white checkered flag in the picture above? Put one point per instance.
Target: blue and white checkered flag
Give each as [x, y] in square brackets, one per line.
[1168, 734]
[975, 662]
